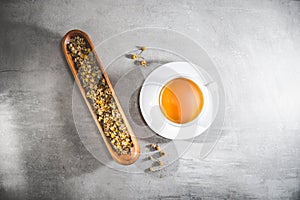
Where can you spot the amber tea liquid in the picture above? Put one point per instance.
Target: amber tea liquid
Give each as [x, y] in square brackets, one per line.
[181, 100]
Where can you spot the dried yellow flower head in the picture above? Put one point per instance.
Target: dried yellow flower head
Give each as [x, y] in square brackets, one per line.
[143, 62]
[152, 146]
[151, 169]
[160, 163]
[133, 56]
[138, 56]
[162, 153]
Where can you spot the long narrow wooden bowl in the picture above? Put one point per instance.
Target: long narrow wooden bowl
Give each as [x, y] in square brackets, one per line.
[125, 159]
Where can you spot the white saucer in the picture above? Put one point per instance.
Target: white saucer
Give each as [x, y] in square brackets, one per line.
[149, 102]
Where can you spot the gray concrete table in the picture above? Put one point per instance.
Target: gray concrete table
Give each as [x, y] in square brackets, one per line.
[255, 47]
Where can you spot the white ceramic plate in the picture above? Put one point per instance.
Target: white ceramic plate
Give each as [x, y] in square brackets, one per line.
[149, 102]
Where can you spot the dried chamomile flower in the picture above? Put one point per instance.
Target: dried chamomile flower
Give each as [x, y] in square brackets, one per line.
[159, 162]
[151, 169]
[153, 146]
[157, 147]
[137, 56]
[134, 56]
[162, 153]
[143, 62]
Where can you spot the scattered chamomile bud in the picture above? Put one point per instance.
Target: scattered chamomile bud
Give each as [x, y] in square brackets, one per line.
[143, 48]
[133, 56]
[157, 147]
[151, 169]
[160, 163]
[162, 153]
[152, 146]
[150, 158]
[143, 62]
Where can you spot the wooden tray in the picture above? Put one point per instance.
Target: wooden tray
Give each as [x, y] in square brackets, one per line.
[125, 159]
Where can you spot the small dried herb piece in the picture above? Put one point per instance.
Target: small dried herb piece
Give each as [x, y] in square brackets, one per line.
[151, 169]
[160, 163]
[156, 163]
[157, 147]
[162, 153]
[138, 57]
[143, 62]
[99, 95]
[153, 146]
[134, 56]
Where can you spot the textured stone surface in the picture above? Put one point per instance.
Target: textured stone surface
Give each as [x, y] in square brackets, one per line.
[254, 45]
